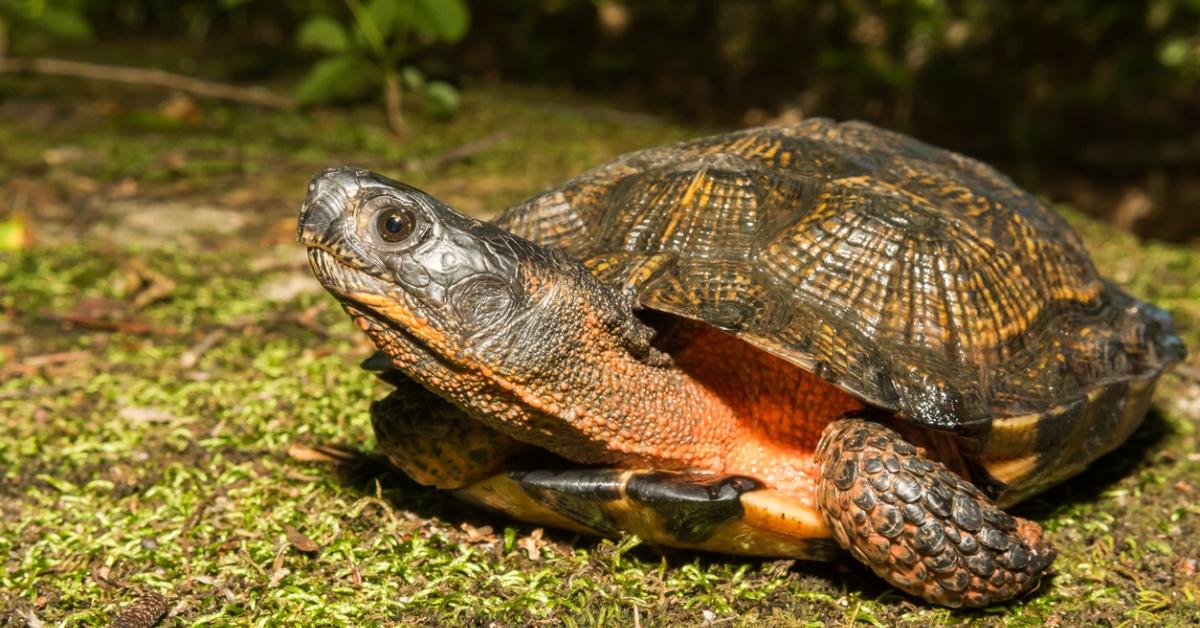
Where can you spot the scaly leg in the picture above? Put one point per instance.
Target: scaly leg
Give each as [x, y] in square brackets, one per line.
[919, 526]
[435, 443]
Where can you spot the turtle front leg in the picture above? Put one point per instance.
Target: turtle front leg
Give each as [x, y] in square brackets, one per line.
[918, 525]
[433, 442]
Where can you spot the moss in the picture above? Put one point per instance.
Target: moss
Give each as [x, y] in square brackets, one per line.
[156, 457]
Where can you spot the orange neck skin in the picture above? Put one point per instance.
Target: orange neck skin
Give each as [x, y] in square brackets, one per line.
[722, 405]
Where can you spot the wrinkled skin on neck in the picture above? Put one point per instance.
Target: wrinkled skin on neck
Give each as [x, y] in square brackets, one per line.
[527, 341]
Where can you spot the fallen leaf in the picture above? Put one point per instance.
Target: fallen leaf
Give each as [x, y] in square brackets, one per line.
[483, 534]
[100, 575]
[181, 108]
[124, 188]
[532, 544]
[1186, 567]
[277, 564]
[299, 540]
[145, 286]
[61, 357]
[16, 233]
[276, 576]
[62, 154]
[146, 414]
[322, 453]
[103, 315]
[30, 617]
[304, 453]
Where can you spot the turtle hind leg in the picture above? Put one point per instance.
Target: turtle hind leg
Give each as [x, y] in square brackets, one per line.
[918, 525]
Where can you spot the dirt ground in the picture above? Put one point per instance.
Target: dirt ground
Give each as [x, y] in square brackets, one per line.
[181, 411]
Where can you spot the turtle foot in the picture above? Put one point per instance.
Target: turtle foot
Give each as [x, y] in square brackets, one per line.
[918, 525]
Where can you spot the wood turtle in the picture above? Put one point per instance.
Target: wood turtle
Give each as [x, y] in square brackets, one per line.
[773, 342]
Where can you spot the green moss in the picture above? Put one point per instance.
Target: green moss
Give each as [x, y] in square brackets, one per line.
[130, 468]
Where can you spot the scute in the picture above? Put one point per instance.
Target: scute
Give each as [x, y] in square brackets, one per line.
[920, 280]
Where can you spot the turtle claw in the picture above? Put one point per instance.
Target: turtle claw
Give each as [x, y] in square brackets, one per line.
[918, 525]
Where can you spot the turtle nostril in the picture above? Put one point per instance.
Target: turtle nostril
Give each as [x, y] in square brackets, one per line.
[315, 218]
[329, 194]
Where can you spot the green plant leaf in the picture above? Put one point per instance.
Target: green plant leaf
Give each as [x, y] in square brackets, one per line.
[323, 33]
[447, 20]
[412, 78]
[384, 14]
[441, 98]
[332, 77]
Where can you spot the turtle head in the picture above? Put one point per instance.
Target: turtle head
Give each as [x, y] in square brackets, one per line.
[426, 281]
[398, 257]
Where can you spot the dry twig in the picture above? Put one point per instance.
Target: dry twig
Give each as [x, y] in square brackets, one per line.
[147, 76]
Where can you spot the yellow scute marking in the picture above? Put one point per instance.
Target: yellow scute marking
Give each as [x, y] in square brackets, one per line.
[1010, 470]
[783, 514]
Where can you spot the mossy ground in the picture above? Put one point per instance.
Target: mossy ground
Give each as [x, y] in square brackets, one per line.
[165, 360]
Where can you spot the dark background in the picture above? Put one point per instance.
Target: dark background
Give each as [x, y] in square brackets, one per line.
[1089, 102]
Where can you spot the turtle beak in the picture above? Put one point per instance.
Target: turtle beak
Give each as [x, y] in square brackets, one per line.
[328, 196]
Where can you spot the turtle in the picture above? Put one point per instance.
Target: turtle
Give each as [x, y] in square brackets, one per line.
[791, 341]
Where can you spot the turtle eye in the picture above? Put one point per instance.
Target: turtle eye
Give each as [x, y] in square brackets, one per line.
[395, 224]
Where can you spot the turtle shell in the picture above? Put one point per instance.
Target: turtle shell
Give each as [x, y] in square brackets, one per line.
[918, 280]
